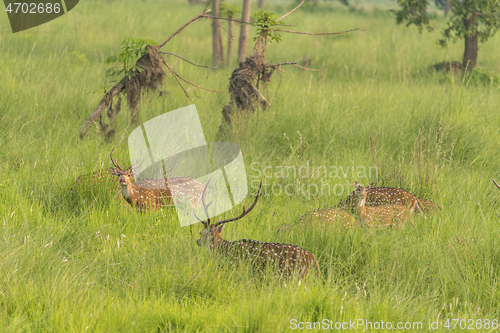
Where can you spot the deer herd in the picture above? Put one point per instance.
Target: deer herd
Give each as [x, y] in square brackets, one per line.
[367, 207]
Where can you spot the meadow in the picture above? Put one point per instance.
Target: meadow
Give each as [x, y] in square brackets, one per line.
[83, 260]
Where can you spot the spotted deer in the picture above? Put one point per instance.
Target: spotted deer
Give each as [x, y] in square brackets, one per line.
[380, 196]
[381, 216]
[149, 194]
[323, 217]
[287, 259]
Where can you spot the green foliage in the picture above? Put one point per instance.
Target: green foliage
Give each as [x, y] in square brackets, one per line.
[440, 4]
[482, 78]
[228, 10]
[266, 23]
[468, 18]
[414, 12]
[132, 49]
[471, 17]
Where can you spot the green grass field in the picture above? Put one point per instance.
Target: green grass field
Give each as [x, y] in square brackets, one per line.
[83, 260]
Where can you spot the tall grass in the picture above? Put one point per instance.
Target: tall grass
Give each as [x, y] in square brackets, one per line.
[76, 259]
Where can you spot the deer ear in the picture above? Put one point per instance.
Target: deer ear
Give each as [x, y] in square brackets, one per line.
[114, 172]
[372, 185]
[356, 184]
[219, 229]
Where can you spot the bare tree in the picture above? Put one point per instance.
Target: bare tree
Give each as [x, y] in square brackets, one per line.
[242, 51]
[217, 50]
[230, 41]
[228, 11]
[447, 6]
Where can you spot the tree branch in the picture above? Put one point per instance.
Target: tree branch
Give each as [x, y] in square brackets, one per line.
[282, 63]
[220, 26]
[178, 76]
[194, 85]
[185, 25]
[192, 63]
[260, 94]
[300, 4]
[296, 65]
[311, 69]
[118, 88]
[225, 18]
[180, 84]
[321, 33]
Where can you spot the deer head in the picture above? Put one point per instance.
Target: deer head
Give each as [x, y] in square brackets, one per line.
[381, 216]
[125, 176]
[210, 235]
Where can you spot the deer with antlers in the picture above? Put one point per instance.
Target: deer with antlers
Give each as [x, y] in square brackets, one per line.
[149, 194]
[286, 258]
[381, 216]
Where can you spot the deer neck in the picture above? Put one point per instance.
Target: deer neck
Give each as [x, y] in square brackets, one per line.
[129, 192]
[218, 242]
[361, 205]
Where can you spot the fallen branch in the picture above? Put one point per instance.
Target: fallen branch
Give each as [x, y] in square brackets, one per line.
[112, 93]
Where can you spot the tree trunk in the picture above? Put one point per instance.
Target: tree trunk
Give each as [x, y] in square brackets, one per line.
[470, 50]
[230, 41]
[242, 52]
[260, 4]
[447, 6]
[218, 52]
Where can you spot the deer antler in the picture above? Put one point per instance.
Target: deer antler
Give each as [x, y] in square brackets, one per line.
[113, 161]
[205, 206]
[245, 211]
[496, 184]
[135, 165]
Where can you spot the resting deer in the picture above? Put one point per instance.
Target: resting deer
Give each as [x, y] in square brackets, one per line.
[380, 196]
[148, 194]
[325, 217]
[286, 258]
[382, 216]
